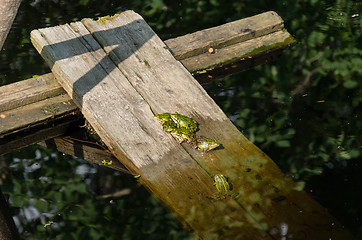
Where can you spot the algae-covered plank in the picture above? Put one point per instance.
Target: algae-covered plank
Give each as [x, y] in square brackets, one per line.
[267, 199]
[124, 121]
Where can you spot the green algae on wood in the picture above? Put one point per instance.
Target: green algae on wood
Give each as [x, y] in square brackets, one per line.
[104, 19]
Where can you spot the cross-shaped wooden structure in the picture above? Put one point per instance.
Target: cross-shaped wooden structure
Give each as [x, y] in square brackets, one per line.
[119, 73]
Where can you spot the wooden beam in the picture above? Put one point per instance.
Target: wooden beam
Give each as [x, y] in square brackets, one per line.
[119, 73]
[86, 150]
[222, 47]
[40, 106]
[29, 91]
[231, 33]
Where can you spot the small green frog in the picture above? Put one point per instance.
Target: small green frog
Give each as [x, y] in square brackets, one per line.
[182, 135]
[205, 144]
[169, 126]
[185, 122]
[223, 187]
[163, 117]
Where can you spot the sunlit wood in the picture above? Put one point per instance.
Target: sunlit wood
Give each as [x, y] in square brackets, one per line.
[119, 73]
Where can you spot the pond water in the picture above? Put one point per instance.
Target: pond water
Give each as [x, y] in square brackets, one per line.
[303, 110]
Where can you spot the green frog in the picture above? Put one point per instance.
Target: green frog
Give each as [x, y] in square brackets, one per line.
[185, 122]
[223, 187]
[166, 121]
[163, 117]
[169, 126]
[182, 134]
[205, 144]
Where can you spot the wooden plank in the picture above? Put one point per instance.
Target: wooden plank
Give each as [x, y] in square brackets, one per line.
[85, 150]
[119, 102]
[228, 34]
[28, 91]
[49, 118]
[168, 94]
[38, 112]
[45, 131]
[242, 51]
[134, 136]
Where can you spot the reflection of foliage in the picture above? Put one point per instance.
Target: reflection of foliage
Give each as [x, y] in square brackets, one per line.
[318, 80]
[66, 191]
[303, 110]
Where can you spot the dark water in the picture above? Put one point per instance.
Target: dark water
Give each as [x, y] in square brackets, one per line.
[303, 110]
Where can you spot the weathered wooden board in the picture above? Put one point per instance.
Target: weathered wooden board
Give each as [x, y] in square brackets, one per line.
[34, 110]
[232, 33]
[45, 131]
[41, 111]
[242, 51]
[29, 91]
[134, 136]
[45, 116]
[227, 58]
[119, 102]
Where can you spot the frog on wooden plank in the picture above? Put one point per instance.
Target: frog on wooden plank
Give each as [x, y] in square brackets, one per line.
[205, 144]
[223, 187]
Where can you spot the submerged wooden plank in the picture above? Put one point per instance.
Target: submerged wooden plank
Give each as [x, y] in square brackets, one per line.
[85, 150]
[264, 190]
[119, 102]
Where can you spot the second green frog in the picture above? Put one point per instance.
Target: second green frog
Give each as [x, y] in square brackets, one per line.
[183, 128]
[183, 121]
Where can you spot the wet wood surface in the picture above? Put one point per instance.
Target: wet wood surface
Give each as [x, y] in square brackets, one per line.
[119, 73]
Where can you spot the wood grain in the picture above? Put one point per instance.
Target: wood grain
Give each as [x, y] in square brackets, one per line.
[28, 91]
[124, 121]
[58, 112]
[217, 65]
[225, 35]
[238, 52]
[130, 76]
[15, 119]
